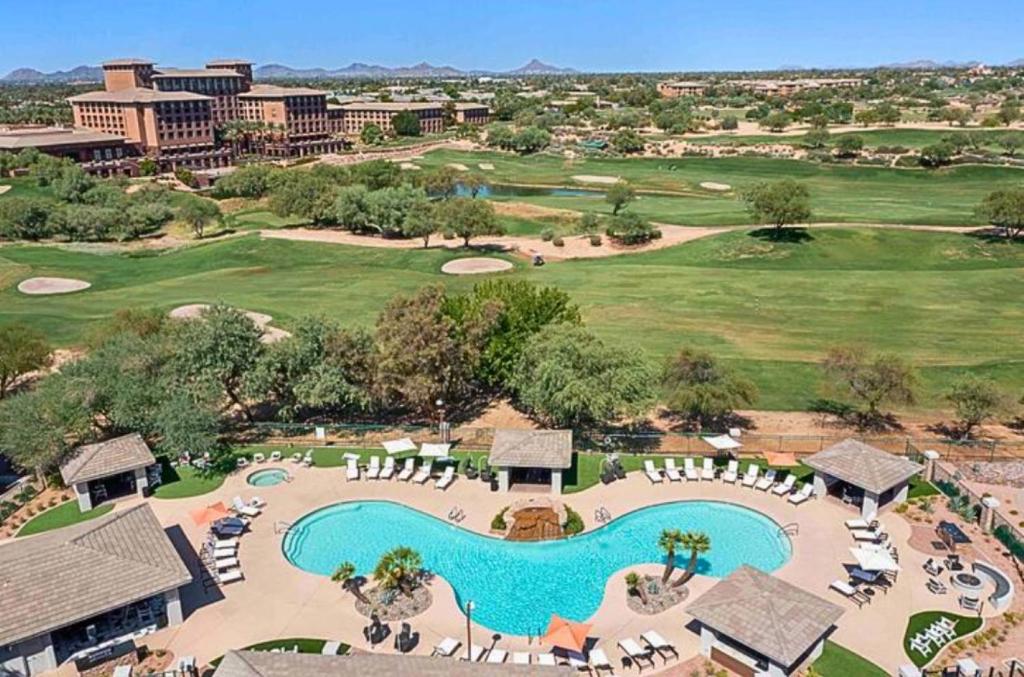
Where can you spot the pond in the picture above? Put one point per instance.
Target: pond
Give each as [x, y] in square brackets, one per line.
[508, 190]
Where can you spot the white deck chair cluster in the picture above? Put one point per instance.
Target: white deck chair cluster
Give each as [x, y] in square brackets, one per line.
[449, 647]
[940, 633]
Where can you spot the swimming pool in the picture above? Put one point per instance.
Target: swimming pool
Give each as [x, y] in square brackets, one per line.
[515, 586]
[267, 478]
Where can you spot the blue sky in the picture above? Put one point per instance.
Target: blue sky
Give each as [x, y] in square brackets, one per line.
[601, 35]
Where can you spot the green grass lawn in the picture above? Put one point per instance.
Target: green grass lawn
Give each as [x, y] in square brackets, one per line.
[185, 482]
[839, 193]
[838, 661]
[64, 515]
[965, 625]
[906, 138]
[304, 644]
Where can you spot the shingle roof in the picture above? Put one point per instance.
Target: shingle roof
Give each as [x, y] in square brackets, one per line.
[228, 62]
[64, 576]
[276, 92]
[136, 95]
[128, 62]
[104, 459]
[531, 449]
[391, 105]
[44, 138]
[267, 664]
[195, 73]
[864, 466]
[766, 614]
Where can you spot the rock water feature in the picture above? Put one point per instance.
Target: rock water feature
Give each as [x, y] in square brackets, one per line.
[535, 519]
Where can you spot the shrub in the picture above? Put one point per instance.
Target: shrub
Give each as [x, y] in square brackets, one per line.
[631, 229]
[1009, 541]
[947, 487]
[595, 240]
[573, 522]
[186, 177]
[498, 523]
[547, 235]
[558, 242]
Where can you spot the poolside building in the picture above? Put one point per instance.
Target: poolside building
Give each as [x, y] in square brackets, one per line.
[86, 592]
[531, 458]
[862, 475]
[285, 664]
[109, 469]
[756, 624]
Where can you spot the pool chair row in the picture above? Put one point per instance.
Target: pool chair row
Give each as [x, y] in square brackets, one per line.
[297, 458]
[449, 647]
[751, 478]
[219, 553]
[376, 470]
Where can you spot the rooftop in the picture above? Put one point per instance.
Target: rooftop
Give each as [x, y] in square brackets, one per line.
[136, 95]
[774, 618]
[276, 92]
[531, 449]
[267, 664]
[864, 466]
[195, 73]
[391, 105]
[58, 578]
[104, 459]
[43, 137]
[128, 62]
[469, 105]
[228, 62]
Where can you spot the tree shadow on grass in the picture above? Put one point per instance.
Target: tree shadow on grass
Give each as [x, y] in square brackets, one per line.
[995, 235]
[788, 235]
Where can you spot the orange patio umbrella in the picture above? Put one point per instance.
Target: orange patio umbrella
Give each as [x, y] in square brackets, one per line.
[210, 513]
[566, 634]
[779, 459]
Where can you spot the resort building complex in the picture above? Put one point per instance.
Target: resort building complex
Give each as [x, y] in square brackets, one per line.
[671, 89]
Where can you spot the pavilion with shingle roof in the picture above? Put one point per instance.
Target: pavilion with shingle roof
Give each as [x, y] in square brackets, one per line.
[54, 584]
[862, 473]
[287, 664]
[108, 469]
[753, 620]
[531, 457]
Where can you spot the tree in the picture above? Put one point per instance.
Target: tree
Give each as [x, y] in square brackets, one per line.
[442, 182]
[351, 207]
[148, 167]
[635, 584]
[399, 569]
[388, 209]
[473, 183]
[468, 218]
[500, 136]
[697, 543]
[937, 154]
[372, 134]
[975, 399]
[24, 218]
[1004, 209]
[872, 380]
[866, 117]
[420, 221]
[253, 181]
[618, 195]
[569, 377]
[1011, 142]
[631, 229]
[22, 349]
[887, 114]
[39, 428]
[955, 115]
[776, 121]
[779, 203]
[406, 123]
[345, 574]
[729, 122]
[668, 541]
[307, 195]
[531, 140]
[849, 145]
[698, 387]
[817, 138]
[199, 213]
[1009, 111]
[628, 141]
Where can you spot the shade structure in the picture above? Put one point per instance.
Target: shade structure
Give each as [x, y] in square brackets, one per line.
[566, 634]
[874, 560]
[210, 513]
[429, 450]
[780, 459]
[722, 442]
[398, 446]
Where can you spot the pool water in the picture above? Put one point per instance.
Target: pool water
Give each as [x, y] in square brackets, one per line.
[267, 478]
[515, 586]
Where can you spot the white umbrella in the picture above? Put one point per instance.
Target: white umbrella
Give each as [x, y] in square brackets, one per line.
[429, 450]
[722, 442]
[398, 446]
[874, 560]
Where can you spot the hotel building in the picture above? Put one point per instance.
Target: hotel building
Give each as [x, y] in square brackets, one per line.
[359, 114]
[676, 89]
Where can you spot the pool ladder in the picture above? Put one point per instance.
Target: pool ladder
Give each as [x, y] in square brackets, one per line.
[602, 516]
[791, 529]
[282, 527]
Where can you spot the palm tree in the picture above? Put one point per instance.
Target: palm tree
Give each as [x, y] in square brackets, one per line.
[636, 584]
[346, 575]
[669, 539]
[399, 568]
[698, 543]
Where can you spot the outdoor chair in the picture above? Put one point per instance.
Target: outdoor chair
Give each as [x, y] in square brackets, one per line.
[242, 462]
[690, 471]
[388, 471]
[653, 474]
[732, 472]
[373, 470]
[785, 486]
[546, 659]
[275, 456]
[258, 457]
[296, 457]
[932, 568]
[659, 644]
[423, 474]
[497, 656]
[851, 593]
[707, 471]
[242, 509]
[750, 478]
[805, 493]
[599, 661]
[446, 647]
[671, 472]
[446, 479]
[520, 658]
[407, 470]
[351, 470]
[766, 482]
[936, 587]
[636, 652]
[476, 653]
[307, 460]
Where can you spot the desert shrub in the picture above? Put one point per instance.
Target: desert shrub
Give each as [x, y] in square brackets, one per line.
[595, 240]
[498, 523]
[558, 242]
[573, 522]
[547, 235]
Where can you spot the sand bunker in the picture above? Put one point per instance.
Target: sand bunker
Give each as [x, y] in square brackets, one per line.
[458, 166]
[486, 166]
[476, 265]
[42, 286]
[261, 320]
[408, 165]
[4, 189]
[711, 185]
[592, 178]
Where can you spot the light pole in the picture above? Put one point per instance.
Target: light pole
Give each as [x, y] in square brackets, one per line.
[440, 419]
[469, 630]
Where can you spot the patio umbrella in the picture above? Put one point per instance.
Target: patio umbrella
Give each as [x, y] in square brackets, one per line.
[210, 513]
[874, 560]
[398, 446]
[429, 450]
[722, 443]
[566, 634]
[779, 459]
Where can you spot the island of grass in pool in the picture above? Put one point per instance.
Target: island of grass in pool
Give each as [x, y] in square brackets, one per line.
[515, 586]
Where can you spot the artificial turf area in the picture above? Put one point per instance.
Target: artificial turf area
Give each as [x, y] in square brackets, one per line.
[838, 661]
[965, 625]
[185, 481]
[64, 515]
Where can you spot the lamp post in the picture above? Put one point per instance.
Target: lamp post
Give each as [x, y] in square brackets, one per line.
[440, 420]
[469, 630]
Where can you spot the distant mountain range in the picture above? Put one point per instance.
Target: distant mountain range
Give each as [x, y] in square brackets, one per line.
[280, 72]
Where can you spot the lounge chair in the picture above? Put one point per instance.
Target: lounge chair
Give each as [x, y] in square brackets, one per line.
[969, 603]
[476, 652]
[446, 647]
[577, 661]
[936, 587]
[388, 471]
[866, 576]
[659, 644]
[932, 567]
[766, 482]
[242, 509]
[275, 456]
[222, 553]
[258, 502]
[870, 536]
[921, 645]
[707, 470]
[857, 524]
[546, 659]
[241, 462]
[446, 479]
[373, 470]
[671, 471]
[307, 460]
[407, 470]
[750, 478]
[851, 593]
[806, 491]
[330, 648]
[352, 470]
[423, 474]
[520, 658]
[122, 671]
[636, 652]
[296, 457]
[599, 660]
[230, 576]
[224, 542]
[652, 472]
[497, 656]
[785, 486]
[224, 563]
[691, 472]
[258, 457]
[732, 472]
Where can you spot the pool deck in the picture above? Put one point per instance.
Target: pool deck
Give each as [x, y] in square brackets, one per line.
[278, 600]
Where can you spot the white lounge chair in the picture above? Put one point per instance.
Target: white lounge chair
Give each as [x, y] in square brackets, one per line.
[653, 474]
[546, 659]
[226, 563]
[785, 486]
[497, 656]
[766, 482]
[850, 592]
[258, 457]
[230, 576]
[732, 472]
[388, 471]
[307, 460]
[750, 477]
[599, 660]
[241, 462]
[423, 474]
[671, 471]
[223, 553]
[476, 652]
[446, 647]
[446, 479]
[407, 470]
[258, 502]
[275, 456]
[225, 542]
[296, 457]
[707, 470]
[242, 509]
[868, 535]
[659, 644]
[806, 491]
[691, 472]
[351, 469]
[857, 524]
[520, 658]
[373, 470]
[635, 651]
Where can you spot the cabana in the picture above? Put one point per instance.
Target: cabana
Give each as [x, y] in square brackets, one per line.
[104, 470]
[863, 475]
[531, 457]
[723, 444]
[756, 624]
